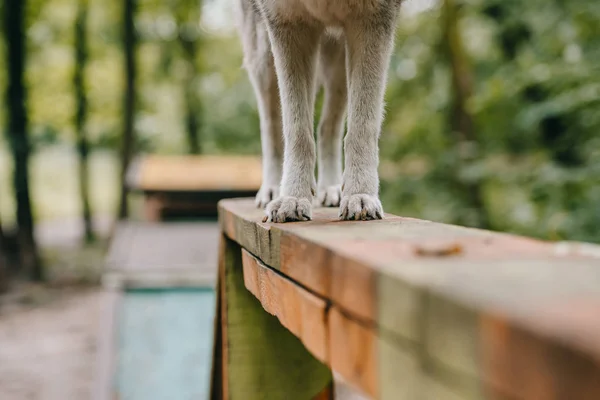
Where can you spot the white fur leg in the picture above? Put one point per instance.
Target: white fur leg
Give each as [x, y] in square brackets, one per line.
[332, 71]
[369, 49]
[289, 209]
[329, 196]
[266, 194]
[361, 207]
[295, 49]
[258, 61]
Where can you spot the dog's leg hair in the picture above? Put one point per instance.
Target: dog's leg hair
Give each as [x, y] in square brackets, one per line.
[332, 69]
[258, 61]
[370, 43]
[295, 48]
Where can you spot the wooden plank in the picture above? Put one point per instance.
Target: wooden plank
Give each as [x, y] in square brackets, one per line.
[358, 353]
[398, 277]
[523, 366]
[153, 279]
[166, 342]
[143, 246]
[151, 255]
[301, 312]
[106, 355]
[489, 267]
[195, 173]
[262, 359]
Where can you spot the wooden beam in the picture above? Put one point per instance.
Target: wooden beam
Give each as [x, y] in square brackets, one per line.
[301, 312]
[261, 359]
[409, 303]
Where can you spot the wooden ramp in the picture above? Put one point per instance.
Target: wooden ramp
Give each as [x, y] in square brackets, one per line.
[157, 328]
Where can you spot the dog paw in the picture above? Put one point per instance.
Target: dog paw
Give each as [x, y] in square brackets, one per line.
[329, 196]
[360, 207]
[288, 209]
[265, 195]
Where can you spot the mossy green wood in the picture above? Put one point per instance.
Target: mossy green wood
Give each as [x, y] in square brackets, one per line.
[265, 361]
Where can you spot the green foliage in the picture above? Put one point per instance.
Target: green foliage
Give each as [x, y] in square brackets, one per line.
[536, 107]
[535, 103]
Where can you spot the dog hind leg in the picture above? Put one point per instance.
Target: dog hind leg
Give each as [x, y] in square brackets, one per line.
[258, 61]
[332, 69]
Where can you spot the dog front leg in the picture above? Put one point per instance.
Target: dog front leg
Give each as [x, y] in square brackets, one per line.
[370, 43]
[331, 126]
[295, 48]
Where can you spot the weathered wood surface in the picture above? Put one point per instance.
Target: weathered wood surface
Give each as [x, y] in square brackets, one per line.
[163, 255]
[165, 344]
[416, 309]
[157, 173]
[259, 359]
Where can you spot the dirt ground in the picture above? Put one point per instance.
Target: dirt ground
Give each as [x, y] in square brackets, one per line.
[48, 333]
[47, 351]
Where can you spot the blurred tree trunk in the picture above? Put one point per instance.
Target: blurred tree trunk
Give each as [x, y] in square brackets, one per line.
[129, 98]
[460, 119]
[192, 101]
[16, 100]
[3, 262]
[81, 115]
[461, 122]
[188, 18]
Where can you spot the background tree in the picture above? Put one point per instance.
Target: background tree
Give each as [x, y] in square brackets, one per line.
[129, 99]
[3, 262]
[17, 130]
[188, 14]
[460, 120]
[81, 113]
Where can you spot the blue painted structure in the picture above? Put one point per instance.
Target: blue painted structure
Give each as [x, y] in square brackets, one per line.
[165, 343]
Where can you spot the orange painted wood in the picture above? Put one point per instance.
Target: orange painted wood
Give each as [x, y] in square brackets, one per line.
[354, 353]
[525, 367]
[338, 278]
[301, 312]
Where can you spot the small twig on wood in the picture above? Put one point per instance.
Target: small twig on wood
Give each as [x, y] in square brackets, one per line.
[445, 251]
